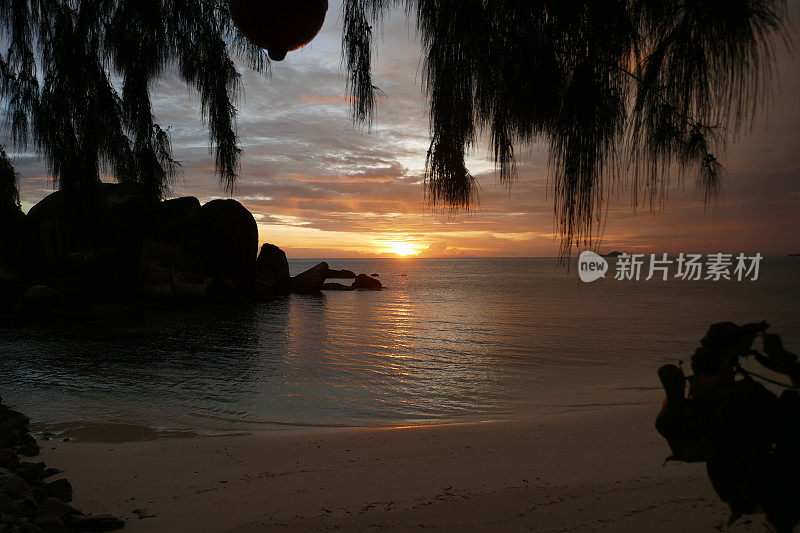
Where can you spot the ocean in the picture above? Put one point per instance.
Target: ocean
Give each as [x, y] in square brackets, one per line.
[448, 340]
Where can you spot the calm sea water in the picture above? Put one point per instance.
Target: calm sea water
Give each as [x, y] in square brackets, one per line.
[468, 339]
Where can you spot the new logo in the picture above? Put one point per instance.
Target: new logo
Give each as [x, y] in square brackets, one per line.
[591, 266]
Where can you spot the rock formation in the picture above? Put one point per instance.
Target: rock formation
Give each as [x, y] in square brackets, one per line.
[115, 247]
[28, 502]
[336, 287]
[228, 243]
[341, 274]
[366, 282]
[272, 273]
[310, 281]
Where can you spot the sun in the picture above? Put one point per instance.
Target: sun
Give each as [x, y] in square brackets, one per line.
[401, 248]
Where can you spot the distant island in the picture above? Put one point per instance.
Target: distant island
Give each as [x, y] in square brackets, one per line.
[612, 254]
[795, 254]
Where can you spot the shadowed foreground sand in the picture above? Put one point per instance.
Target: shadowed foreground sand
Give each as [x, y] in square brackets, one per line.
[577, 471]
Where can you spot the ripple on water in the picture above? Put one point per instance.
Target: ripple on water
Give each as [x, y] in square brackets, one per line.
[450, 340]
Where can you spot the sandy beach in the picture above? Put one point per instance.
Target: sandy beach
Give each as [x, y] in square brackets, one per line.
[588, 470]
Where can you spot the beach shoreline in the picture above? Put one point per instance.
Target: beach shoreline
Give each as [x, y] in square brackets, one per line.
[584, 470]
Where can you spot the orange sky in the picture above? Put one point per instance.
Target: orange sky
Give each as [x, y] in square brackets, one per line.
[320, 188]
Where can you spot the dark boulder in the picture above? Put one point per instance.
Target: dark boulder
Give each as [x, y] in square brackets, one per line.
[30, 472]
[168, 272]
[52, 514]
[311, 280]
[341, 274]
[61, 489]
[177, 223]
[272, 272]
[14, 256]
[228, 242]
[336, 287]
[87, 245]
[223, 290]
[128, 213]
[99, 275]
[14, 438]
[13, 484]
[40, 299]
[365, 282]
[60, 224]
[171, 266]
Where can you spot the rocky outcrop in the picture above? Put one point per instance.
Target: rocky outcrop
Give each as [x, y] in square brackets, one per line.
[176, 222]
[65, 222]
[171, 267]
[272, 273]
[14, 265]
[14, 437]
[310, 281]
[61, 224]
[88, 246]
[336, 287]
[168, 272]
[40, 300]
[367, 283]
[28, 501]
[98, 275]
[341, 274]
[116, 247]
[228, 243]
[128, 215]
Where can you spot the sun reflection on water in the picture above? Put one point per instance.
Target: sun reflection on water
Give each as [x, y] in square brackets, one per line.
[447, 340]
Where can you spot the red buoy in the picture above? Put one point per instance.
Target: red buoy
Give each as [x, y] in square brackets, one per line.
[279, 26]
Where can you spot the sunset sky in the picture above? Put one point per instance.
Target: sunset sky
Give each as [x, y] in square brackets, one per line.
[320, 188]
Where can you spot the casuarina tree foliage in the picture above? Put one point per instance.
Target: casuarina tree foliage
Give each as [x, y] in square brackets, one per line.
[631, 91]
[77, 75]
[624, 92]
[9, 192]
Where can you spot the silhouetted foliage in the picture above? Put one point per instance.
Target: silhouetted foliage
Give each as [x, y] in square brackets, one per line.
[637, 89]
[9, 193]
[77, 75]
[748, 436]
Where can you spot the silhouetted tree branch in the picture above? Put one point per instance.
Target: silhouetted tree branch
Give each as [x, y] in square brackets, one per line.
[623, 91]
[97, 61]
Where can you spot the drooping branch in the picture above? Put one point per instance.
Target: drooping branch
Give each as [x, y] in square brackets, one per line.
[9, 191]
[358, 19]
[85, 52]
[624, 92]
[204, 61]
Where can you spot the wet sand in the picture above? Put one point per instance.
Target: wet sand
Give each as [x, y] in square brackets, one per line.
[589, 470]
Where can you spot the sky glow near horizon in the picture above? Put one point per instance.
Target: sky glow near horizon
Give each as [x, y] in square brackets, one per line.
[318, 187]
